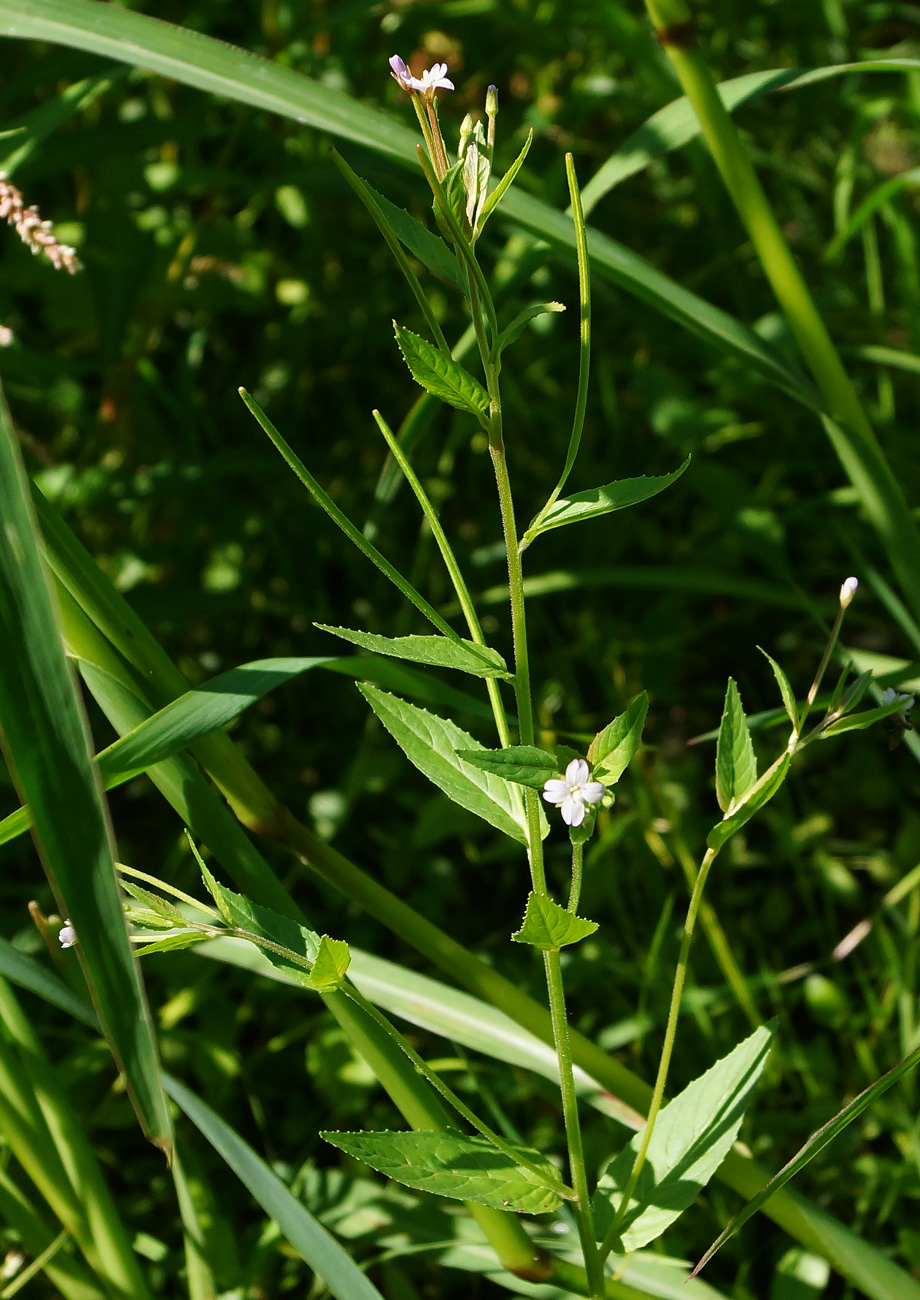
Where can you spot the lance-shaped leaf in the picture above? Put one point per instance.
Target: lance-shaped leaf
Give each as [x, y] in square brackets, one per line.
[466, 656]
[692, 1136]
[523, 764]
[785, 688]
[613, 749]
[736, 767]
[431, 744]
[440, 374]
[760, 793]
[603, 500]
[817, 1142]
[505, 183]
[860, 721]
[549, 927]
[450, 1164]
[47, 745]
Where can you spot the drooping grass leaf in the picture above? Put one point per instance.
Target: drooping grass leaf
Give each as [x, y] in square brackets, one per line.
[47, 745]
[736, 767]
[523, 764]
[614, 748]
[817, 1142]
[692, 1136]
[450, 1164]
[309, 1238]
[549, 927]
[676, 124]
[438, 651]
[440, 375]
[604, 500]
[431, 744]
[515, 329]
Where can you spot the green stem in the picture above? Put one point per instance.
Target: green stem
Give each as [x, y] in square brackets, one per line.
[578, 852]
[594, 1264]
[849, 429]
[670, 1033]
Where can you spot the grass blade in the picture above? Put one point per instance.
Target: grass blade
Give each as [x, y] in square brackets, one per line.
[817, 1142]
[46, 741]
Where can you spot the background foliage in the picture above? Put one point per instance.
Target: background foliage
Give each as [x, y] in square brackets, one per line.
[221, 247]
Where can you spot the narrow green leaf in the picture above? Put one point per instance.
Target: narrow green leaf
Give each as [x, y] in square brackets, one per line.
[505, 183]
[39, 123]
[613, 749]
[861, 721]
[263, 923]
[604, 500]
[47, 745]
[523, 764]
[431, 744]
[438, 651]
[199, 712]
[817, 1142]
[440, 374]
[785, 688]
[691, 1138]
[549, 927]
[165, 910]
[450, 1164]
[353, 534]
[428, 247]
[736, 767]
[516, 328]
[175, 942]
[332, 962]
[309, 1238]
[760, 793]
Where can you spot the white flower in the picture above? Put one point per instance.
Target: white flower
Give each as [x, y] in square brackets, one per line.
[907, 701]
[848, 591]
[573, 791]
[427, 83]
[431, 80]
[67, 935]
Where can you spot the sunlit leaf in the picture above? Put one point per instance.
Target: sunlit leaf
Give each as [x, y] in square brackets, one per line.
[549, 927]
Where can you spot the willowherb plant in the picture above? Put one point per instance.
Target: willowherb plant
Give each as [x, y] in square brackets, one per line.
[657, 1175]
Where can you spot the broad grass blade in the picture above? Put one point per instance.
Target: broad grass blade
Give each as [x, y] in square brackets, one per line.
[47, 745]
[817, 1142]
[309, 1238]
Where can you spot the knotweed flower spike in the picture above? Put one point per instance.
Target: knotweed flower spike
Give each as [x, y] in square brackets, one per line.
[573, 791]
[427, 84]
[32, 230]
[67, 935]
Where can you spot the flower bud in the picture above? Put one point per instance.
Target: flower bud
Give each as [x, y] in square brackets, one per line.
[847, 592]
[492, 101]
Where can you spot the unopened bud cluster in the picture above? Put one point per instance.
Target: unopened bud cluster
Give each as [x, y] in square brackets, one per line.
[32, 230]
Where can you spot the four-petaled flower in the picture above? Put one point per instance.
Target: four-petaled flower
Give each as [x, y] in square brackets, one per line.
[67, 935]
[427, 83]
[573, 791]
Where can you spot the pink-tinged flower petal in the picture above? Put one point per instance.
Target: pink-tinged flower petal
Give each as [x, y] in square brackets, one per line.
[573, 811]
[555, 791]
[401, 74]
[432, 78]
[577, 772]
[593, 792]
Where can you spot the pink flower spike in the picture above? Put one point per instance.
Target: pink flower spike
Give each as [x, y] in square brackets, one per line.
[571, 792]
[401, 74]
